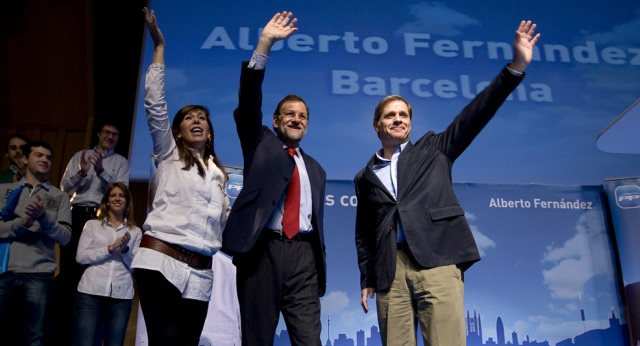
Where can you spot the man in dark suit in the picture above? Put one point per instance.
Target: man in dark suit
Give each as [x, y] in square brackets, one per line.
[412, 238]
[275, 227]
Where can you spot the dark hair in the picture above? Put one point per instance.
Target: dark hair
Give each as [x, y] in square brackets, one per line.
[103, 210]
[26, 149]
[12, 136]
[289, 98]
[377, 114]
[108, 123]
[184, 153]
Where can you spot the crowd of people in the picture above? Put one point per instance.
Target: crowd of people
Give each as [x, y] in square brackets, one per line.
[274, 231]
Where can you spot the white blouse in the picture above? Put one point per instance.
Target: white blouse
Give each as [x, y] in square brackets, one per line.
[109, 274]
[188, 210]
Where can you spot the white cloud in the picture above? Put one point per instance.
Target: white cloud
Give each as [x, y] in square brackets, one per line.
[483, 242]
[358, 319]
[334, 302]
[573, 262]
[437, 18]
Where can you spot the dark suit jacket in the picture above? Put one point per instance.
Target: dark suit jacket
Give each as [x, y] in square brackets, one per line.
[436, 230]
[267, 169]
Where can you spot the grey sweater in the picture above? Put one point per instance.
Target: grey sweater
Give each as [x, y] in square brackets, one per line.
[32, 249]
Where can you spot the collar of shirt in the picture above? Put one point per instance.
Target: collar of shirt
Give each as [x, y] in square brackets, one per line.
[306, 209]
[396, 152]
[122, 225]
[107, 153]
[45, 185]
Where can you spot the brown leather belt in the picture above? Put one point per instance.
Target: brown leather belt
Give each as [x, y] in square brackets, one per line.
[191, 258]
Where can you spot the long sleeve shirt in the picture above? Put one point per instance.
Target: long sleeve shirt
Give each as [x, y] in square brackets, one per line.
[32, 249]
[108, 274]
[88, 191]
[188, 210]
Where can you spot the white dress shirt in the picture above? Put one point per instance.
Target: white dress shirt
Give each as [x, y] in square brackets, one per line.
[275, 220]
[88, 191]
[109, 274]
[387, 172]
[188, 210]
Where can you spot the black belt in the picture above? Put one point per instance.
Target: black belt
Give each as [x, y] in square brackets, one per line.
[84, 208]
[279, 235]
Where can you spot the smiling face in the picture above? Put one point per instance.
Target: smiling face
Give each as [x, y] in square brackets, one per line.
[14, 149]
[194, 127]
[291, 122]
[108, 137]
[117, 202]
[38, 163]
[394, 125]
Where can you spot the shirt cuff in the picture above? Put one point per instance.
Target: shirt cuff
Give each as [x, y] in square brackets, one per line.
[258, 61]
[514, 72]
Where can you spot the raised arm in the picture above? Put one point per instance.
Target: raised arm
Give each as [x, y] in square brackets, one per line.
[523, 45]
[278, 28]
[156, 35]
[154, 102]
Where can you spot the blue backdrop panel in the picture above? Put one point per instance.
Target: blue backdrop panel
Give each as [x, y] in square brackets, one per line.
[624, 203]
[547, 276]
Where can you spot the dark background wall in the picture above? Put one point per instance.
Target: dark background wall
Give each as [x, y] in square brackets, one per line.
[66, 66]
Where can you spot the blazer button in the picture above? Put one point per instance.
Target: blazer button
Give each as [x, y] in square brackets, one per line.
[286, 179]
[273, 202]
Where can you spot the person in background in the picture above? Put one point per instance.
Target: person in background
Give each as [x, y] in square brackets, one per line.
[13, 150]
[190, 207]
[85, 180]
[107, 245]
[35, 216]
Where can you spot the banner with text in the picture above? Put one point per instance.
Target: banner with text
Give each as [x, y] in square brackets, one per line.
[624, 203]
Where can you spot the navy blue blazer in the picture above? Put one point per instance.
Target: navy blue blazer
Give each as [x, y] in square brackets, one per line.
[267, 169]
[436, 230]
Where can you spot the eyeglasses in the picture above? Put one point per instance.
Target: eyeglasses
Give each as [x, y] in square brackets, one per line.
[110, 133]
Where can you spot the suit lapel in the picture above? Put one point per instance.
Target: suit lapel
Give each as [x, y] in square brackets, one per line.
[403, 163]
[314, 180]
[371, 177]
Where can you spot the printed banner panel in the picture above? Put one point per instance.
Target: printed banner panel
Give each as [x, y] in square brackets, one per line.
[624, 203]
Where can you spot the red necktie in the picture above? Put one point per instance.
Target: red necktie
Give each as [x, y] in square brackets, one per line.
[291, 218]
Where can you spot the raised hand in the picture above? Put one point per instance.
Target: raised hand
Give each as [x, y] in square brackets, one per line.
[278, 28]
[20, 170]
[154, 30]
[523, 45]
[125, 242]
[84, 164]
[96, 161]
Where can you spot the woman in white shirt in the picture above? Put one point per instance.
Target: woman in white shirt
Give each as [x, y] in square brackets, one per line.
[190, 207]
[105, 291]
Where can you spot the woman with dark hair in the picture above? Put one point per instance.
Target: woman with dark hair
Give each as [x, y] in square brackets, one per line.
[190, 207]
[105, 291]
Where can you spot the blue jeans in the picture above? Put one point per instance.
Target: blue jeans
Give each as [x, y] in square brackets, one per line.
[97, 315]
[25, 297]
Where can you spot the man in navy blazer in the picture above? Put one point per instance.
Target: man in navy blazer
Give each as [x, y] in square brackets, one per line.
[276, 272]
[412, 238]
